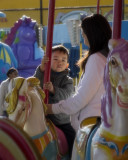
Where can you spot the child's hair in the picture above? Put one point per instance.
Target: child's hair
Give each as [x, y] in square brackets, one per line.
[61, 48]
[98, 32]
[10, 71]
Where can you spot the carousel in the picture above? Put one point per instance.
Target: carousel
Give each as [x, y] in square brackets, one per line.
[26, 133]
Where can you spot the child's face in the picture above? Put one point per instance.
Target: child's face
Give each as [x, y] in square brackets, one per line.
[59, 61]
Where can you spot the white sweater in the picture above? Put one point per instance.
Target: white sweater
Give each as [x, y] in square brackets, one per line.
[86, 101]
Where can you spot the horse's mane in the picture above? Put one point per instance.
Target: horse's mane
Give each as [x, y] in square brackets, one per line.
[12, 98]
[24, 20]
[34, 82]
[106, 101]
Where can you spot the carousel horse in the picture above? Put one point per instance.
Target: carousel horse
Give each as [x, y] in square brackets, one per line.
[107, 139]
[15, 144]
[27, 109]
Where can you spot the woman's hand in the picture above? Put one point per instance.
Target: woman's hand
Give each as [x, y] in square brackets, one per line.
[49, 109]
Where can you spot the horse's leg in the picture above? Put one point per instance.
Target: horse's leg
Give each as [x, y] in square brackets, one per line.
[74, 153]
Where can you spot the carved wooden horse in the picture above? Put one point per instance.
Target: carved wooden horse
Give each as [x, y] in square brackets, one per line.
[15, 143]
[108, 140]
[26, 108]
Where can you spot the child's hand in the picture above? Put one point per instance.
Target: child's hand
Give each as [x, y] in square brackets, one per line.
[43, 62]
[49, 87]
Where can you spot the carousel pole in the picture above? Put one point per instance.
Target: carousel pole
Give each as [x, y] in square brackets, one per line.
[49, 44]
[117, 17]
[98, 6]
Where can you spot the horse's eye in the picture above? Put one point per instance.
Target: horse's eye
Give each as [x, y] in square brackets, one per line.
[114, 62]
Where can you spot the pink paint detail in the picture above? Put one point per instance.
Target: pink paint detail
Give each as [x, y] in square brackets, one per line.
[121, 104]
[22, 98]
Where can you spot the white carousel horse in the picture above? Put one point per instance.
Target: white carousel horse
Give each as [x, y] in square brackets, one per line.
[27, 109]
[108, 140]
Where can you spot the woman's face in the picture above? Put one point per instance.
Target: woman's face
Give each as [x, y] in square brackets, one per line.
[86, 42]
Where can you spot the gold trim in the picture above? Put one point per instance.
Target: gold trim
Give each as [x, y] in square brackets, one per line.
[112, 136]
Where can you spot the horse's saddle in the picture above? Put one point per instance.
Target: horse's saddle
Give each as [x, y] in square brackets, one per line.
[86, 128]
[59, 137]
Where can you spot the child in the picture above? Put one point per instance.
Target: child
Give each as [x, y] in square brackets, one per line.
[60, 87]
[12, 73]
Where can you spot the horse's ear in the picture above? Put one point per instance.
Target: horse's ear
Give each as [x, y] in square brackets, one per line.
[112, 44]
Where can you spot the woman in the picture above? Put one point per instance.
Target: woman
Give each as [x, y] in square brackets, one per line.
[86, 101]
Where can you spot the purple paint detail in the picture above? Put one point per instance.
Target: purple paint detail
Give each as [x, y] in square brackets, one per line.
[107, 100]
[124, 55]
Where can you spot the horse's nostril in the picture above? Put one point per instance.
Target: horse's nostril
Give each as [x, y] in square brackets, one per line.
[120, 89]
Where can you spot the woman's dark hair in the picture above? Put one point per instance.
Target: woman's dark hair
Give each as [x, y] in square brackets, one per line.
[98, 32]
[10, 71]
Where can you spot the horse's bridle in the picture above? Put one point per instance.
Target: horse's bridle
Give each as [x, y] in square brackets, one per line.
[24, 98]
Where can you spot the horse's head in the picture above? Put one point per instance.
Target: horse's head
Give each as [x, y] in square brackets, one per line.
[18, 100]
[109, 140]
[115, 80]
[23, 94]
